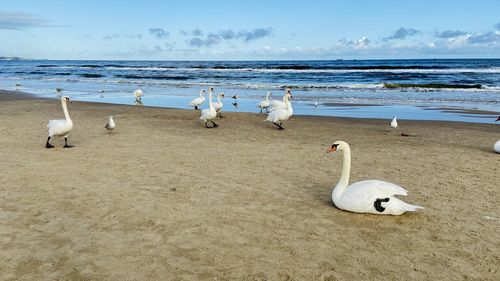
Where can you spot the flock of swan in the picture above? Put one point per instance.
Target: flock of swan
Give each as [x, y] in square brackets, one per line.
[278, 111]
[369, 196]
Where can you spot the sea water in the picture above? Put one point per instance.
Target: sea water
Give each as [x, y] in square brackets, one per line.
[409, 89]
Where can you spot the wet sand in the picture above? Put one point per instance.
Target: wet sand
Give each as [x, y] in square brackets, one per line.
[163, 198]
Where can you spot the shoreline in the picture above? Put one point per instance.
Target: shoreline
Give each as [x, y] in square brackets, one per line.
[478, 113]
[164, 198]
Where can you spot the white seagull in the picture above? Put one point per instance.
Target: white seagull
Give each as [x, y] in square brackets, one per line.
[138, 95]
[209, 114]
[60, 127]
[199, 100]
[110, 126]
[369, 196]
[394, 123]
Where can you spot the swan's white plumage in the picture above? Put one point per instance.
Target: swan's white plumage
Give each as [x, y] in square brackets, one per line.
[279, 114]
[361, 197]
[496, 147]
[265, 103]
[218, 105]
[61, 127]
[275, 104]
[208, 114]
[198, 101]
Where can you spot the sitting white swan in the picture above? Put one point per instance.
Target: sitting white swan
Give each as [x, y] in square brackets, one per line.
[209, 114]
[138, 95]
[61, 127]
[218, 105]
[111, 125]
[265, 103]
[370, 196]
[496, 147]
[280, 114]
[199, 100]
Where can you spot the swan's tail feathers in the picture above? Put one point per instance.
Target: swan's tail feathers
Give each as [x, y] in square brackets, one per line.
[410, 208]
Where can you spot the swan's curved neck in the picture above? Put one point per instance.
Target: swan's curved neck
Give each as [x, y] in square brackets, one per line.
[267, 96]
[65, 109]
[344, 178]
[218, 98]
[201, 94]
[210, 100]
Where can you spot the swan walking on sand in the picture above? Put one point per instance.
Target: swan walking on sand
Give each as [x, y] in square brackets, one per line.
[218, 105]
[199, 100]
[394, 123]
[265, 103]
[209, 114]
[111, 125]
[370, 196]
[279, 114]
[61, 127]
[138, 95]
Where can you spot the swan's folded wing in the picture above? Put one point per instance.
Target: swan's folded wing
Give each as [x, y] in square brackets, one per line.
[55, 123]
[382, 188]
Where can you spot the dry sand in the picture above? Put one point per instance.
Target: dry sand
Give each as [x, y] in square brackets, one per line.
[163, 198]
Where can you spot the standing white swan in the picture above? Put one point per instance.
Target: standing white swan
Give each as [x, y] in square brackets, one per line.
[280, 114]
[110, 126]
[265, 103]
[199, 100]
[209, 113]
[61, 127]
[218, 105]
[370, 196]
[138, 95]
[394, 123]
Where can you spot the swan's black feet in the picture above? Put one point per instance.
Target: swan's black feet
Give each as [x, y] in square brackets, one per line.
[66, 144]
[220, 115]
[279, 126]
[196, 108]
[47, 144]
[214, 125]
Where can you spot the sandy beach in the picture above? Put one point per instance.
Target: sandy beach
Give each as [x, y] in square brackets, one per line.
[163, 198]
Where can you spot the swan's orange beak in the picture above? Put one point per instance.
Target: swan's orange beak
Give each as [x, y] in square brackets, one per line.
[331, 149]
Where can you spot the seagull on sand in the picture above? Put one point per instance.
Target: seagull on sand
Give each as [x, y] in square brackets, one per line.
[111, 125]
[394, 123]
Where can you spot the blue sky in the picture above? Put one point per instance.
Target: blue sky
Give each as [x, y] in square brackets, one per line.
[249, 30]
